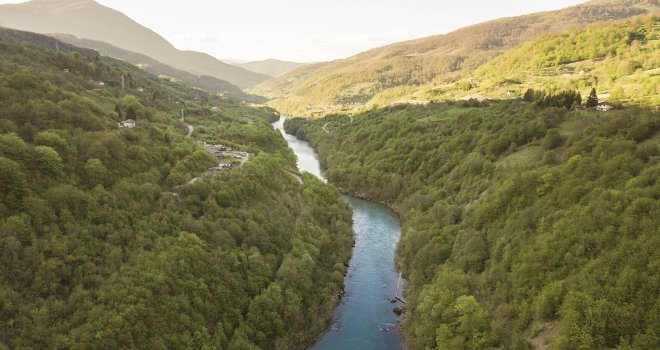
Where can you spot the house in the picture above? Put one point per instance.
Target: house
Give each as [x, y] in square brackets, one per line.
[604, 107]
[128, 123]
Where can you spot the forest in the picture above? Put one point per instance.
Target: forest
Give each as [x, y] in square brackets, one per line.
[105, 242]
[526, 224]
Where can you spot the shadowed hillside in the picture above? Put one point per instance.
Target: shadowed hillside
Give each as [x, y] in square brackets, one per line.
[90, 20]
[205, 82]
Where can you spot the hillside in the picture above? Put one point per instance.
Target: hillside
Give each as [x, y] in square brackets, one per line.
[130, 238]
[272, 68]
[620, 59]
[524, 227]
[90, 20]
[208, 83]
[398, 70]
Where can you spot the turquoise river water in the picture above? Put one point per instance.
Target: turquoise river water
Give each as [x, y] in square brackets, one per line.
[364, 320]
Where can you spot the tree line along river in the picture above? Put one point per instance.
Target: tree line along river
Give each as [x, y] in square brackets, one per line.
[364, 319]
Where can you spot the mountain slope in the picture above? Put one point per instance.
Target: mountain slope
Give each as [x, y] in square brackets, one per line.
[400, 69]
[208, 83]
[90, 20]
[524, 227]
[527, 223]
[273, 68]
[106, 243]
[621, 59]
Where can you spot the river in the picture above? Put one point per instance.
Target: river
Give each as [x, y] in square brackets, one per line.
[364, 320]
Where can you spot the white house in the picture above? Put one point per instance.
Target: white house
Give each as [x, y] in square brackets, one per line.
[128, 123]
[604, 107]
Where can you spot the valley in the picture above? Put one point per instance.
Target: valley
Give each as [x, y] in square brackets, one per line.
[364, 317]
[103, 230]
[494, 187]
[442, 67]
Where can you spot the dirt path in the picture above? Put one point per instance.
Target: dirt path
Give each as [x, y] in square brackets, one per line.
[190, 127]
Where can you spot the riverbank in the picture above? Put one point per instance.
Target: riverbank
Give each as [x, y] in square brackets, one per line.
[364, 317]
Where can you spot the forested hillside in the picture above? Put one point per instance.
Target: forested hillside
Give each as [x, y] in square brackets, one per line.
[205, 82]
[388, 74]
[105, 243]
[524, 226]
[621, 59]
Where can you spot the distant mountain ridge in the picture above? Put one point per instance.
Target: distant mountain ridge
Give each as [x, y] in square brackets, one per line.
[204, 82]
[392, 72]
[90, 20]
[271, 67]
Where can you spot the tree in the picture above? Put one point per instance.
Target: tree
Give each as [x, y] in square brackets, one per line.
[54, 140]
[14, 148]
[529, 95]
[469, 327]
[552, 139]
[131, 106]
[96, 173]
[592, 101]
[13, 186]
[47, 162]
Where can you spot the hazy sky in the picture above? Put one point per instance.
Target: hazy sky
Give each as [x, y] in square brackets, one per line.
[311, 30]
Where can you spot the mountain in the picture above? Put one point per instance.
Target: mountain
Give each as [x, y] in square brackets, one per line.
[619, 59]
[107, 243]
[205, 82]
[391, 72]
[273, 68]
[528, 223]
[90, 20]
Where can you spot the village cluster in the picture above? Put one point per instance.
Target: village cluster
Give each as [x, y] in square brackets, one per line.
[225, 153]
[230, 158]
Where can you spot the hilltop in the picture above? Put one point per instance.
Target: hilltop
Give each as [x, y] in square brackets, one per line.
[88, 19]
[398, 70]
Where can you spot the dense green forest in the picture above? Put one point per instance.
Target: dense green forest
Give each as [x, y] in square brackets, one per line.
[106, 244]
[525, 224]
